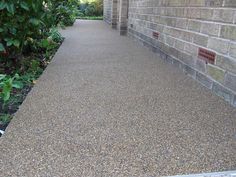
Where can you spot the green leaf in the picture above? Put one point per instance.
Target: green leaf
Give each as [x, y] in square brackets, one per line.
[2, 5]
[16, 43]
[34, 21]
[5, 118]
[1, 30]
[20, 18]
[13, 31]
[11, 8]
[45, 43]
[7, 39]
[9, 43]
[24, 5]
[17, 76]
[2, 49]
[34, 7]
[6, 96]
[17, 84]
[2, 76]
[7, 87]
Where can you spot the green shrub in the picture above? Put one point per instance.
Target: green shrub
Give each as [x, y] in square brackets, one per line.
[64, 12]
[28, 40]
[19, 20]
[23, 19]
[55, 35]
[94, 8]
[23, 23]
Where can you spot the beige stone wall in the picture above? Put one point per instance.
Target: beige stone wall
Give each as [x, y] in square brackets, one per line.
[116, 14]
[123, 17]
[184, 26]
[107, 11]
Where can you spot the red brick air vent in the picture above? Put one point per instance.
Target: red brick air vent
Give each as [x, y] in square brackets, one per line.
[155, 35]
[207, 55]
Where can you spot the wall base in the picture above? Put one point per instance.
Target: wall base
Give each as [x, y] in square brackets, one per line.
[203, 79]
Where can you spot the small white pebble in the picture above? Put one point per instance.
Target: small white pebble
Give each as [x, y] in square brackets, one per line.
[2, 132]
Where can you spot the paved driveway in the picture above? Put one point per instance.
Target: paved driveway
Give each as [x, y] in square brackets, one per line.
[107, 106]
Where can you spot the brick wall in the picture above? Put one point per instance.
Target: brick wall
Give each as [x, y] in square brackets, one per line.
[177, 29]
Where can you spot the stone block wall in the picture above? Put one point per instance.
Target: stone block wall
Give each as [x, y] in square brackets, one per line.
[107, 11]
[123, 17]
[116, 14]
[198, 36]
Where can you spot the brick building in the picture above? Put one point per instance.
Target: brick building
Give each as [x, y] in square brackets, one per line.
[198, 36]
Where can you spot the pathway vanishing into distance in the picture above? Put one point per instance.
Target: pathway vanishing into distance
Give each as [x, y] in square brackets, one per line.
[107, 106]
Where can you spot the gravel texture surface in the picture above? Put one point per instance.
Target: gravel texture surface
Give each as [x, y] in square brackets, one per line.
[107, 106]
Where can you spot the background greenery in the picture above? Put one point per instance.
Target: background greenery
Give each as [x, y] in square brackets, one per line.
[91, 9]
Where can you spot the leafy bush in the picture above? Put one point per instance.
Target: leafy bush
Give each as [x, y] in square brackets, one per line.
[94, 8]
[23, 20]
[64, 12]
[28, 40]
[19, 20]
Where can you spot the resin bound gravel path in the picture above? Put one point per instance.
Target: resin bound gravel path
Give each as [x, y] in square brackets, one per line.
[107, 106]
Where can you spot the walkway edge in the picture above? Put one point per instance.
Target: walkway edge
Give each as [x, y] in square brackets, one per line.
[215, 174]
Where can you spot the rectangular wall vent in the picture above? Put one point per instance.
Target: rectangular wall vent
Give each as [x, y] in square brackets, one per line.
[207, 55]
[131, 25]
[155, 35]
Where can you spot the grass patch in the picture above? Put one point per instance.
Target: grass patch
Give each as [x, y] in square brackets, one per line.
[91, 18]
